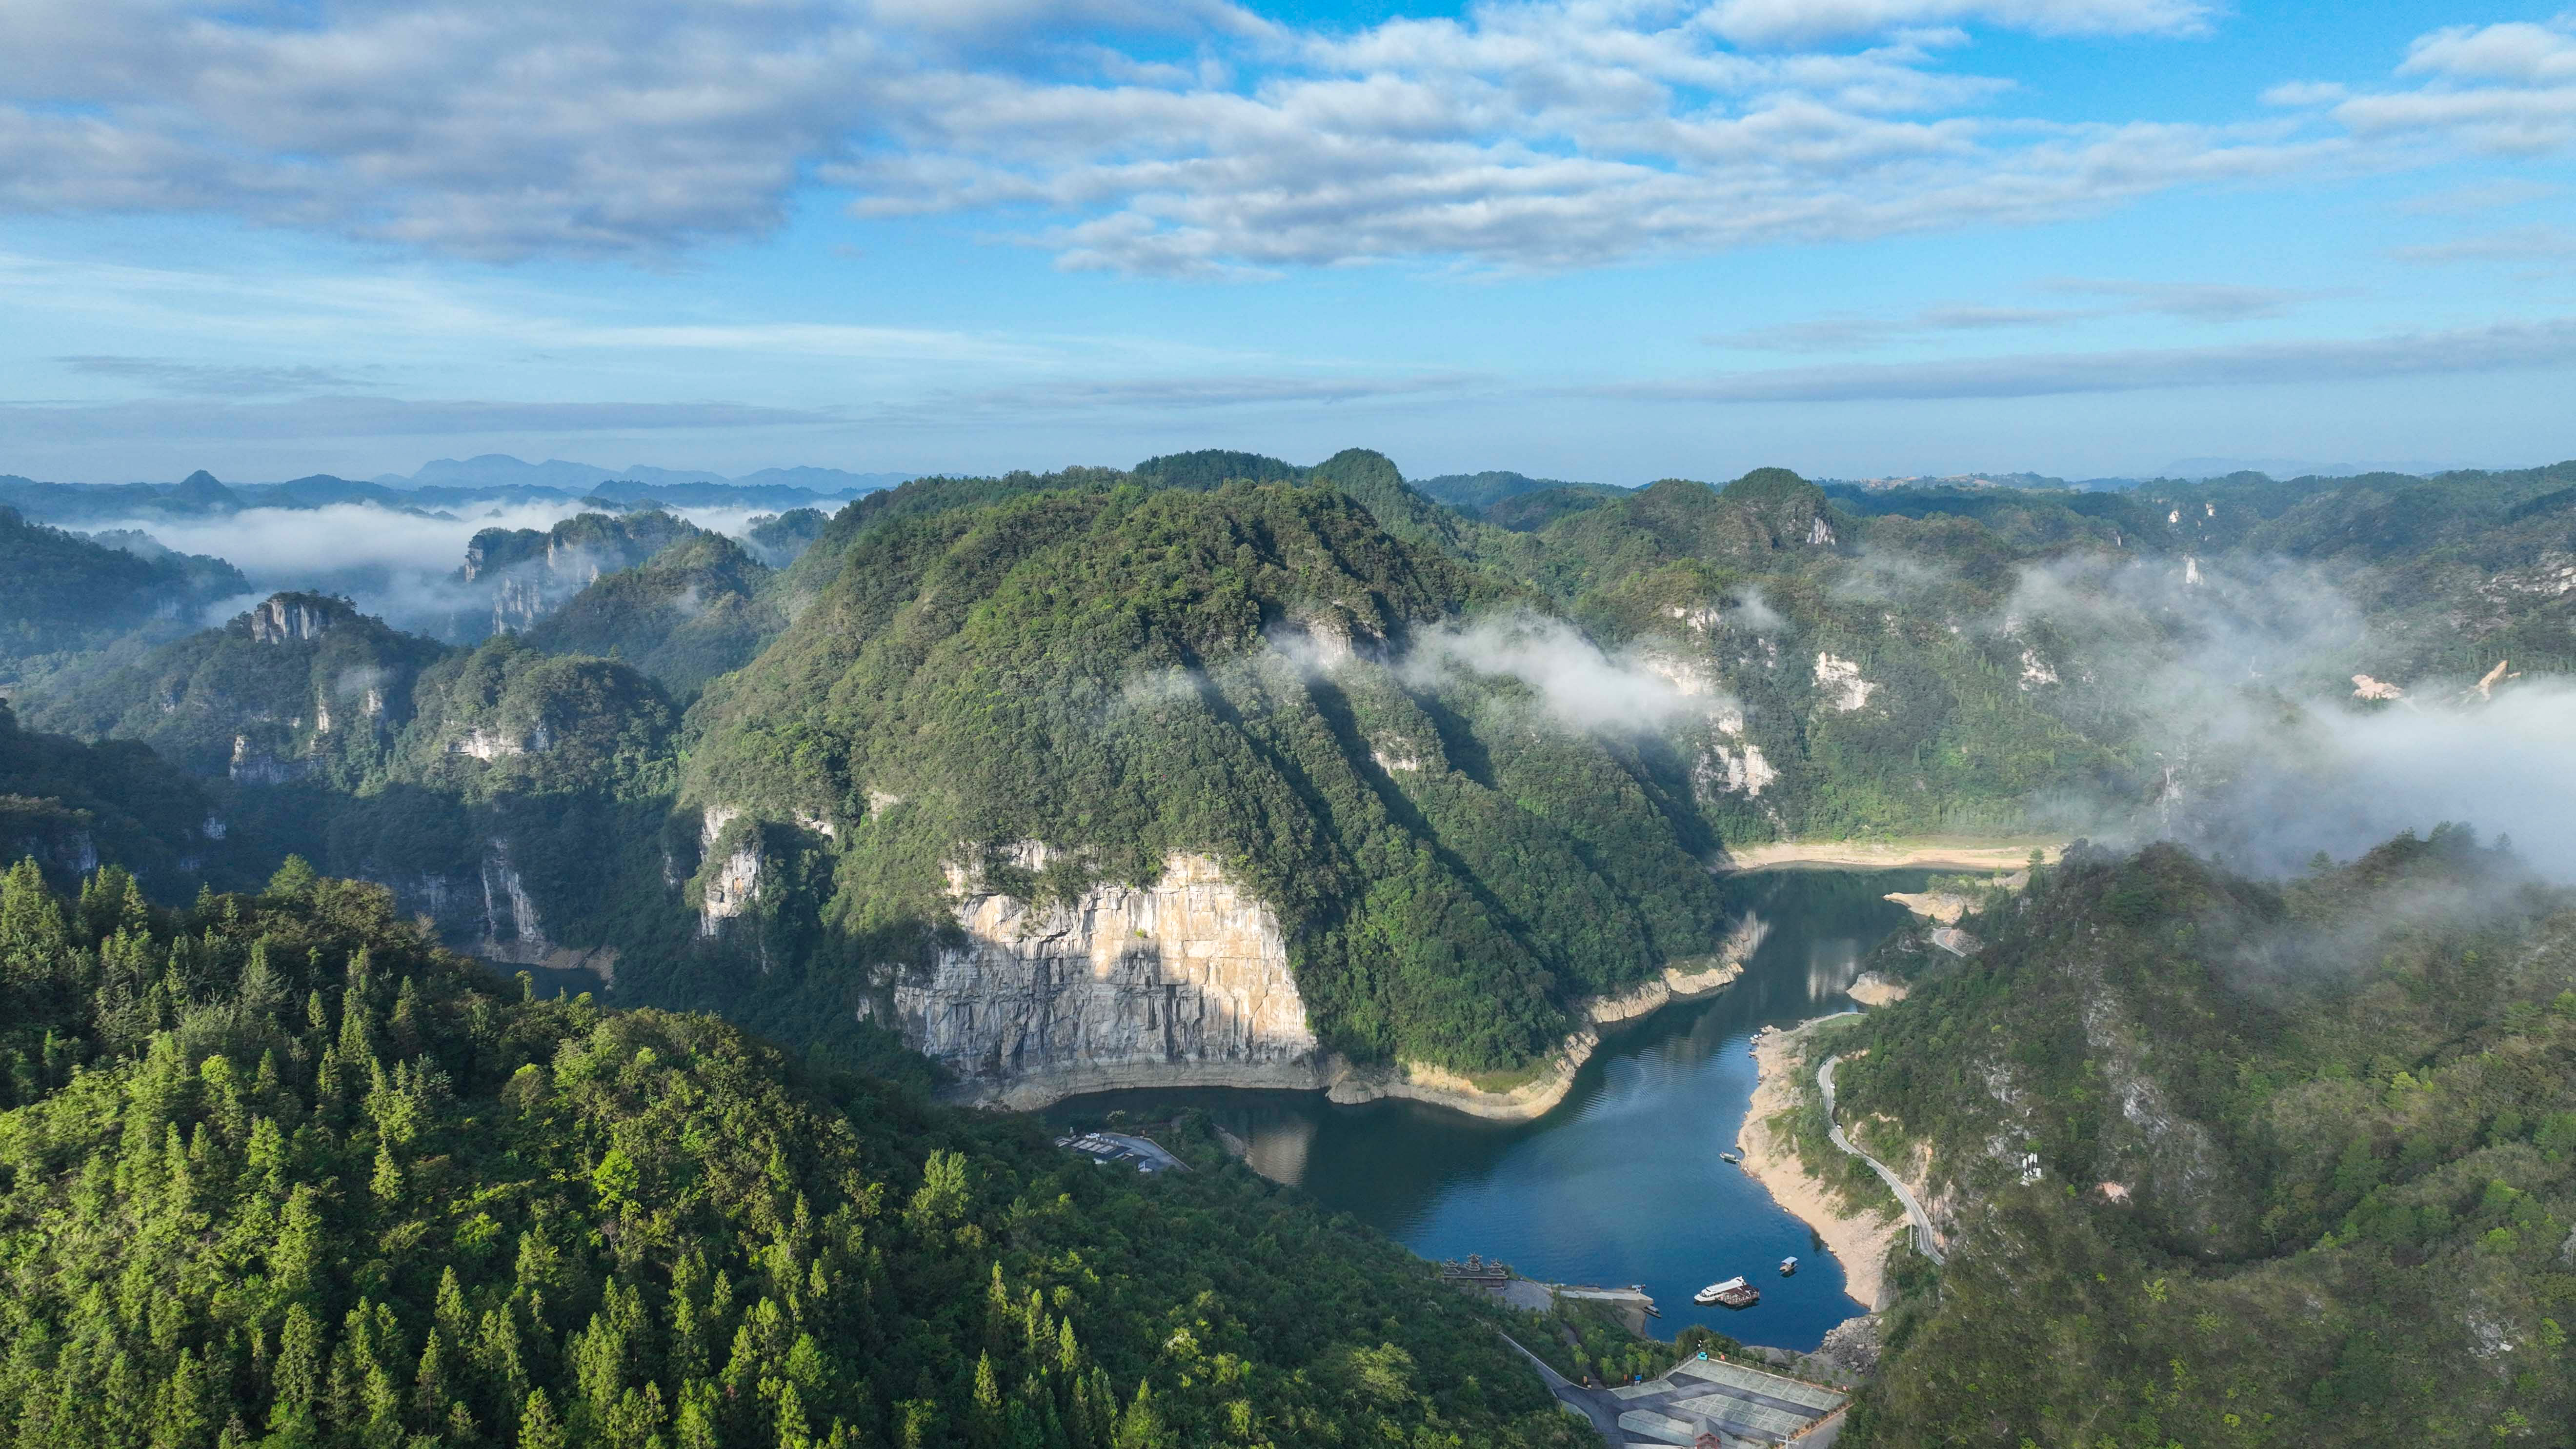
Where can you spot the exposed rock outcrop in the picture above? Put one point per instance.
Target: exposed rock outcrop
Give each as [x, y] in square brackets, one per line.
[491, 915]
[735, 885]
[1839, 681]
[288, 618]
[493, 743]
[1183, 980]
[254, 766]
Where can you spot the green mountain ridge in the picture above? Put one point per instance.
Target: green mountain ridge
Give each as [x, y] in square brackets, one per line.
[1345, 692]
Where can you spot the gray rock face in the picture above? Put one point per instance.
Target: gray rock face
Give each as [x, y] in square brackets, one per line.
[735, 885]
[254, 766]
[282, 620]
[1183, 979]
[491, 915]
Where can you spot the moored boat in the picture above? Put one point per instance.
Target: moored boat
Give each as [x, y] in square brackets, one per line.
[1733, 1293]
[1788, 1266]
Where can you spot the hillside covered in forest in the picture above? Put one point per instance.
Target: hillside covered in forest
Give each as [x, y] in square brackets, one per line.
[2222, 1161]
[276, 1169]
[1468, 772]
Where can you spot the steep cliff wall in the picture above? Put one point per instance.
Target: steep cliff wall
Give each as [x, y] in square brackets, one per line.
[491, 915]
[1182, 981]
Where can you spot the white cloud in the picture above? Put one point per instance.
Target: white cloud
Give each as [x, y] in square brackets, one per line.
[2506, 89]
[1572, 679]
[1195, 138]
[2304, 93]
[2191, 301]
[373, 417]
[2504, 346]
[1778, 21]
[2537, 242]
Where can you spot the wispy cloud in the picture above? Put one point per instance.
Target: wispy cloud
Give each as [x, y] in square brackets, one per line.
[1855, 334]
[2497, 348]
[1150, 394]
[2538, 242]
[2193, 301]
[2479, 196]
[367, 417]
[205, 379]
[2502, 89]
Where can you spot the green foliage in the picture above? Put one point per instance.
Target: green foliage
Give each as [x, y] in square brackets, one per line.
[689, 613]
[2331, 1109]
[274, 1166]
[61, 593]
[70, 805]
[1094, 670]
[321, 697]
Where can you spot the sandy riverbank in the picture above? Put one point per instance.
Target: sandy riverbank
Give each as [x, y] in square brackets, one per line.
[1858, 1240]
[1927, 854]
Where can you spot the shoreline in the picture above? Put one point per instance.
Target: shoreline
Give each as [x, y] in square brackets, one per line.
[1922, 854]
[1418, 1082]
[1346, 1083]
[1858, 1240]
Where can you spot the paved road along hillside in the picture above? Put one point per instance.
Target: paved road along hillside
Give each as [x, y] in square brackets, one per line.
[1924, 1242]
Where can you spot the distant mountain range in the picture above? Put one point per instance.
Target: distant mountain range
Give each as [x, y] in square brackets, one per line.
[500, 470]
[444, 484]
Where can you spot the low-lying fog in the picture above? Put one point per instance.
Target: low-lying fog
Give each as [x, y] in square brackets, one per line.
[402, 567]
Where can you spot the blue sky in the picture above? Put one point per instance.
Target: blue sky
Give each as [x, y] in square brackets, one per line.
[1606, 239]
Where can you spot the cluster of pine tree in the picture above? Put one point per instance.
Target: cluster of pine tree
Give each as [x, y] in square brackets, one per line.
[274, 1169]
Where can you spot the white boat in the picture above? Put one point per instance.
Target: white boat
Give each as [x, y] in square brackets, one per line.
[1788, 1266]
[1715, 1291]
[1729, 1157]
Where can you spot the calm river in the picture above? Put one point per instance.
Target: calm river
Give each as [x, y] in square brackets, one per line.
[1621, 1183]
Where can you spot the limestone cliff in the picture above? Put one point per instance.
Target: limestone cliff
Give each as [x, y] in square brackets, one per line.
[734, 883]
[1183, 980]
[491, 915]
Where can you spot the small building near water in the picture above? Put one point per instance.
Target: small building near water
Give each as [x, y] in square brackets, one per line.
[1119, 1149]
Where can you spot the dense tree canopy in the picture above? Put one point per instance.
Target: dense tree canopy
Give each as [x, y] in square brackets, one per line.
[274, 1169]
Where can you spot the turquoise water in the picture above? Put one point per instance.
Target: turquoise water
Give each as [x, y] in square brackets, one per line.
[1621, 1183]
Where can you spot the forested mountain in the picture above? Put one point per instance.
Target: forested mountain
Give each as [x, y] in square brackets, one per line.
[274, 1169]
[527, 573]
[2302, 1157]
[1474, 493]
[1472, 772]
[61, 594]
[1121, 674]
[301, 685]
[693, 611]
[780, 539]
[69, 805]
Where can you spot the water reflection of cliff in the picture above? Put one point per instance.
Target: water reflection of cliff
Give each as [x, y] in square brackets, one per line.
[1833, 963]
[1279, 1143]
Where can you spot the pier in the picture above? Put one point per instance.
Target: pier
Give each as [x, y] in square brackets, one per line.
[1494, 1276]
